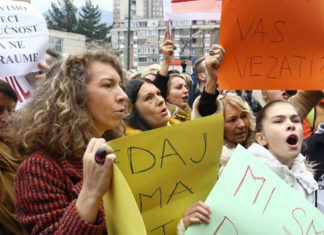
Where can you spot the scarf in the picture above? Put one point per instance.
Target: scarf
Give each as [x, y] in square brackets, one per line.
[298, 177]
[178, 113]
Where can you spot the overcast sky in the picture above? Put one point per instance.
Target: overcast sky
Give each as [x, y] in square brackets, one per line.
[43, 5]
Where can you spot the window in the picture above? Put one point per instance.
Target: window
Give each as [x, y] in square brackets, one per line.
[143, 60]
[185, 22]
[55, 44]
[184, 31]
[141, 41]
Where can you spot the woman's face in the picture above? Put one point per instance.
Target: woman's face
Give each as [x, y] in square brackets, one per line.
[282, 132]
[272, 95]
[151, 106]
[178, 92]
[236, 124]
[106, 99]
[7, 107]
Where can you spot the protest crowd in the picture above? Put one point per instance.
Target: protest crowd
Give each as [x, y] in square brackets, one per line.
[51, 177]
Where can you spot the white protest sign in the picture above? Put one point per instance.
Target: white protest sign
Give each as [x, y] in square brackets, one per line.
[23, 38]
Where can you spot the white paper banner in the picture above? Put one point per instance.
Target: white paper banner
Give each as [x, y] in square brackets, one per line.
[192, 9]
[23, 38]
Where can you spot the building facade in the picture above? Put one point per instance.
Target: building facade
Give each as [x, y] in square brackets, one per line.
[66, 42]
[192, 38]
[140, 9]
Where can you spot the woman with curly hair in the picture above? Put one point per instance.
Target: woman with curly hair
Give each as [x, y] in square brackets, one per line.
[59, 186]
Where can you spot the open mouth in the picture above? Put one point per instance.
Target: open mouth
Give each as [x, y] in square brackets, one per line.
[163, 111]
[241, 134]
[292, 140]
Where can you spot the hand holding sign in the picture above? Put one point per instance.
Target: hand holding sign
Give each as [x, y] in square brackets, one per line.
[196, 214]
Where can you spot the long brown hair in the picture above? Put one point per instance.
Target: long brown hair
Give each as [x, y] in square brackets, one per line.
[57, 118]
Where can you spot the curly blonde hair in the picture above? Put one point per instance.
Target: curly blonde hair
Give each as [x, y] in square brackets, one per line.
[57, 118]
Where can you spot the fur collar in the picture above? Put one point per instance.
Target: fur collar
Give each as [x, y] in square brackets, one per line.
[297, 172]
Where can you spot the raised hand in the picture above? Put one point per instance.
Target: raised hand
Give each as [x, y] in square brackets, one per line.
[212, 62]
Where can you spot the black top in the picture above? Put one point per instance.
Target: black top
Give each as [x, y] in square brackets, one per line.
[314, 151]
[161, 82]
[207, 103]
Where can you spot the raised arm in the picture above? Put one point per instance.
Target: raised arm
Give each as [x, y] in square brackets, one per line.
[161, 80]
[206, 104]
[304, 101]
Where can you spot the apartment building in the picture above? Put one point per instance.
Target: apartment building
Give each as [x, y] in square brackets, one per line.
[144, 9]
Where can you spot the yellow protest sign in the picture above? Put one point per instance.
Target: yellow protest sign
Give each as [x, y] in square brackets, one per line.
[121, 208]
[162, 172]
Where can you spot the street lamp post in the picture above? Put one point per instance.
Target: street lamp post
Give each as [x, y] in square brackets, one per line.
[128, 35]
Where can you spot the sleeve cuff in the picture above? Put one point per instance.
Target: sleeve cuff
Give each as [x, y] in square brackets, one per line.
[75, 223]
[207, 98]
[180, 228]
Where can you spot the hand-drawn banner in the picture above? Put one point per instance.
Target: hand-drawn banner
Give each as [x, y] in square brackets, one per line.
[250, 199]
[272, 45]
[23, 38]
[167, 170]
[192, 9]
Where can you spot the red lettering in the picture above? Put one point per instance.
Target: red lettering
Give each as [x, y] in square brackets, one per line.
[222, 223]
[268, 200]
[25, 94]
[12, 84]
[311, 225]
[248, 169]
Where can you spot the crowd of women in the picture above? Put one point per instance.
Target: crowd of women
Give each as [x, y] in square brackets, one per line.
[84, 101]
